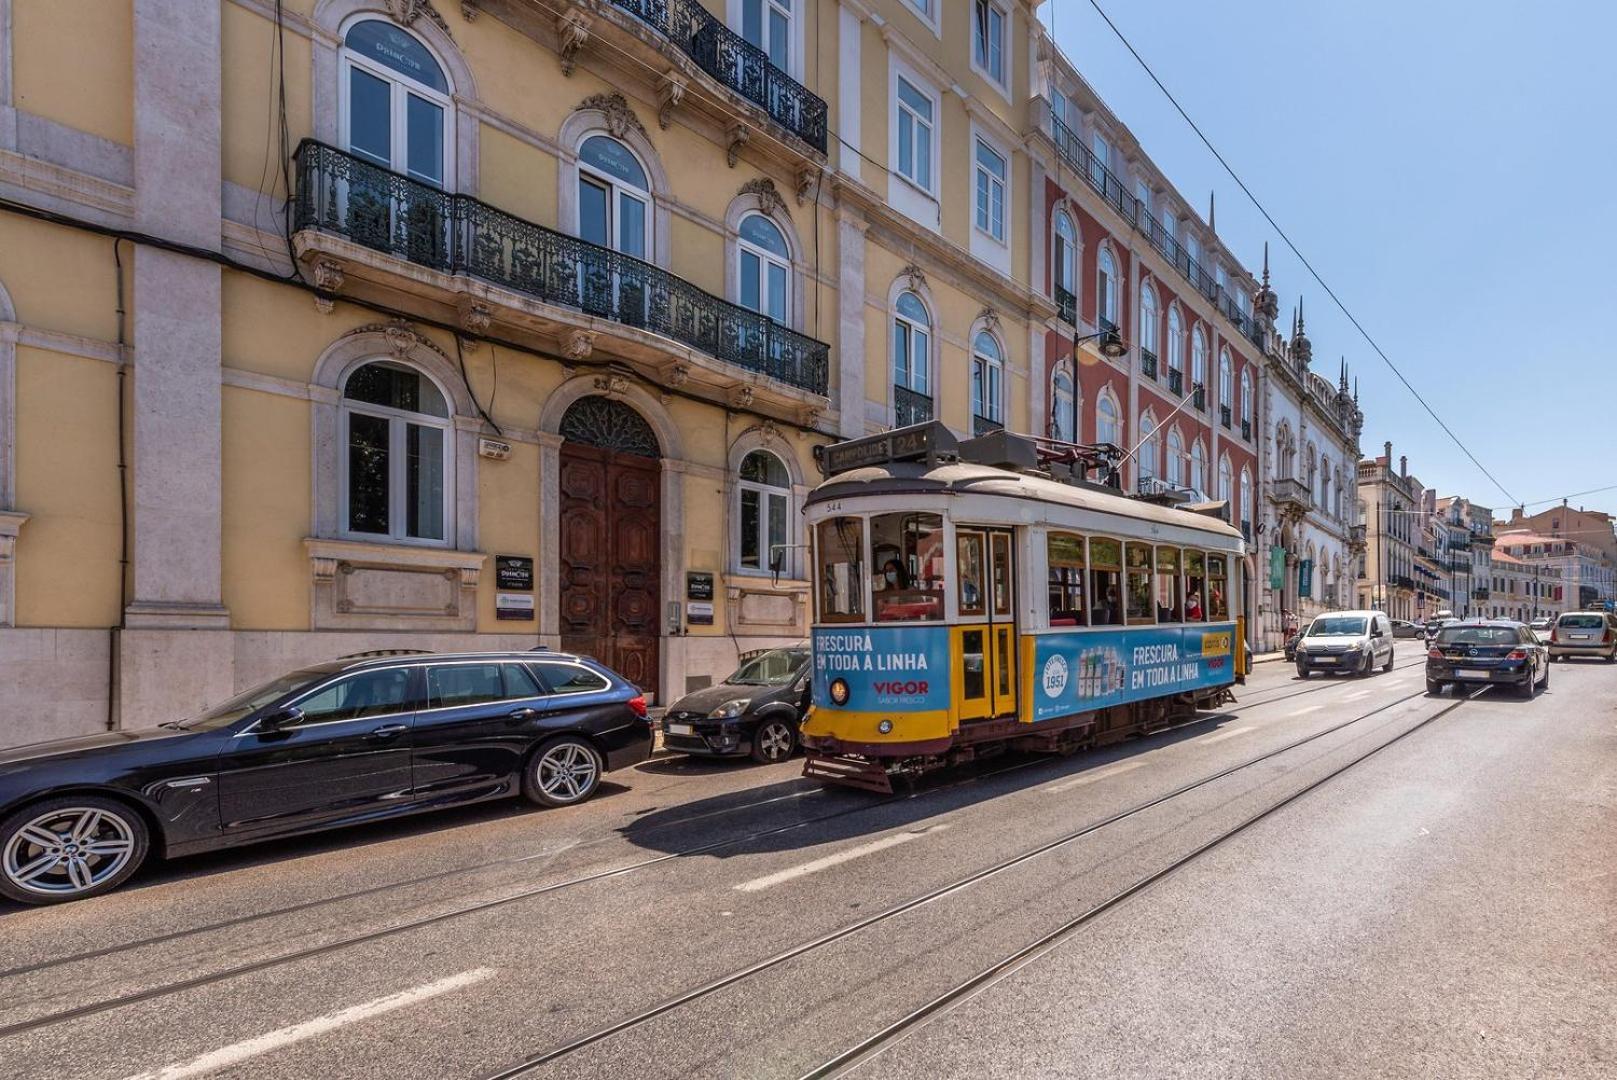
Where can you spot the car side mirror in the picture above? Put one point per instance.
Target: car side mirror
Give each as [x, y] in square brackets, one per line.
[280, 718]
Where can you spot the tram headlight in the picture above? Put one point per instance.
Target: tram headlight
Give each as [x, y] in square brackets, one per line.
[885, 727]
[839, 691]
[730, 709]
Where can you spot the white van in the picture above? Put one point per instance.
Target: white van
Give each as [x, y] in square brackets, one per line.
[1352, 641]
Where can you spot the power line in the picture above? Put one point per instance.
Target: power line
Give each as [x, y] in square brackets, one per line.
[1295, 251]
[1572, 495]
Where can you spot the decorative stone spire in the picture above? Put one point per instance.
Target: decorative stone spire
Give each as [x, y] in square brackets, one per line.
[1212, 212]
[1267, 304]
[1302, 350]
[1342, 383]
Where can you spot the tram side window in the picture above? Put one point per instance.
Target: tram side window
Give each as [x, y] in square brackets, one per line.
[1066, 557]
[1218, 588]
[1106, 582]
[1170, 591]
[840, 546]
[971, 560]
[906, 554]
[1139, 583]
[1195, 587]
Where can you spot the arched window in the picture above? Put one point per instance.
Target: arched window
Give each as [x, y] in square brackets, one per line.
[398, 111]
[1246, 397]
[614, 197]
[1198, 363]
[1176, 340]
[1063, 406]
[1226, 382]
[1176, 458]
[764, 493]
[1312, 465]
[1148, 319]
[1107, 429]
[396, 475]
[1246, 499]
[765, 268]
[1224, 479]
[1066, 254]
[1106, 287]
[912, 360]
[1325, 487]
[1198, 468]
[1147, 454]
[987, 379]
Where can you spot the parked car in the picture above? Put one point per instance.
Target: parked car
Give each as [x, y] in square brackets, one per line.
[1584, 633]
[1352, 641]
[755, 711]
[1291, 642]
[1487, 651]
[326, 746]
[1541, 628]
[1403, 628]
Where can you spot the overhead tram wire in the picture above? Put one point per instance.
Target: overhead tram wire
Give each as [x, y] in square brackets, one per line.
[1337, 300]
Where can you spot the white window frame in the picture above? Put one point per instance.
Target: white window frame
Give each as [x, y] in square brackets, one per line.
[1196, 478]
[925, 90]
[1149, 317]
[1176, 339]
[1246, 395]
[911, 328]
[766, 259]
[400, 87]
[1176, 457]
[1226, 381]
[1063, 403]
[765, 493]
[992, 380]
[927, 11]
[1064, 264]
[1107, 304]
[984, 182]
[1108, 400]
[1002, 80]
[1146, 457]
[615, 188]
[1226, 479]
[1198, 362]
[794, 32]
[397, 459]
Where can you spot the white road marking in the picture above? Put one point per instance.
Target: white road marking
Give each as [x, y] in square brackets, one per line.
[1357, 696]
[1097, 774]
[1308, 709]
[1222, 735]
[236, 1053]
[792, 873]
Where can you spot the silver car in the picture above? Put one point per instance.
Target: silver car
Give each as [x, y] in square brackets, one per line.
[1584, 633]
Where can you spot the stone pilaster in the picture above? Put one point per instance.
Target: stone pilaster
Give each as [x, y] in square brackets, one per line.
[853, 366]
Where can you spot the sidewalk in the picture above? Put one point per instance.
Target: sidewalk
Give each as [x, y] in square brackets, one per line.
[1267, 657]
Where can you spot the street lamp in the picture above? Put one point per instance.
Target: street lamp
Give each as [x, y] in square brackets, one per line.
[1111, 346]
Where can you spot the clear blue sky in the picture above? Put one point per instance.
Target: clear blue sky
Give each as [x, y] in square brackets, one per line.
[1447, 166]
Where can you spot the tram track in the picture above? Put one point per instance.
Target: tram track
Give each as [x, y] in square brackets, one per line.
[391, 930]
[851, 1059]
[696, 994]
[252, 918]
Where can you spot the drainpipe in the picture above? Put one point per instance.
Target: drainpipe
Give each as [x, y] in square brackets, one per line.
[115, 632]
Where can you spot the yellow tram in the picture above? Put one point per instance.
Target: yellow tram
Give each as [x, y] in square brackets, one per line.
[971, 597]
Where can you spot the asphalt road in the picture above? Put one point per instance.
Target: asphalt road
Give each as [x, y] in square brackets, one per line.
[1334, 878]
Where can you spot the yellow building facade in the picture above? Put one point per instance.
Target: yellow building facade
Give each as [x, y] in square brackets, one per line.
[338, 325]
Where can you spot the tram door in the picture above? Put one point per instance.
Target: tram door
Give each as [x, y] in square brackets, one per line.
[985, 639]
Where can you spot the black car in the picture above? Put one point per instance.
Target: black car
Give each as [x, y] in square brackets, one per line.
[757, 710]
[1480, 652]
[335, 744]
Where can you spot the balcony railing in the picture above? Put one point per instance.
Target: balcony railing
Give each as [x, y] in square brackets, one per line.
[1198, 397]
[1176, 382]
[1292, 491]
[1111, 189]
[736, 63]
[1480, 594]
[1246, 531]
[1148, 363]
[1067, 305]
[981, 425]
[910, 407]
[1246, 429]
[383, 210]
[1402, 581]
[1225, 416]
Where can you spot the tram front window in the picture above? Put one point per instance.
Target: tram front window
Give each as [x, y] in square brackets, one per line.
[1106, 582]
[840, 546]
[1139, 584]
[1218, 588]
[1066, 558]
[906, 556]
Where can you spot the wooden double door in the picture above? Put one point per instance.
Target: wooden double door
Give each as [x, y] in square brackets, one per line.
[610, 579]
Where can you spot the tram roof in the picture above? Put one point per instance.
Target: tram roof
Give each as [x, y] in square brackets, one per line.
[967, 478]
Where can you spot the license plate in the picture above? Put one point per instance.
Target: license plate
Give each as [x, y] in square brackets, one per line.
[1581, 637]
[681, 729]
[1323, 659]
[1470, 673]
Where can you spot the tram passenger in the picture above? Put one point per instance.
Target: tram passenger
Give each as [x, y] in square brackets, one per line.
[892, 577]
[1193, 607]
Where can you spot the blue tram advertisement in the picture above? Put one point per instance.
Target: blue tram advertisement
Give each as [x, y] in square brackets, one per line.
[973, 597]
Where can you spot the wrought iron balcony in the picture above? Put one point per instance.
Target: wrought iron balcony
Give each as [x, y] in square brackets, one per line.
[1198, 397]
[1224, 415]
[383, 210]
[981, 425]
[1291, 491]
[1402, 581]
[1246, 429]
[910, 407]
[1176, 382]
[1246, 530]
[736, 63]
[1067, 305]
[1480, 594]
[1111, 189]
[1148, 363]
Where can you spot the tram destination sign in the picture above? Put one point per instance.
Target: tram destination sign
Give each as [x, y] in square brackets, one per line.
[919, 442]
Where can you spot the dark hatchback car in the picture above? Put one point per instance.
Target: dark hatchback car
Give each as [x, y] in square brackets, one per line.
[1481, 652]
[331, 745]
[757, 710]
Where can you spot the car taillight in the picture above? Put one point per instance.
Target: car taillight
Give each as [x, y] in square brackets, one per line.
[1555, 635]
[1517, 654]
[1434, 653]
[638, 705]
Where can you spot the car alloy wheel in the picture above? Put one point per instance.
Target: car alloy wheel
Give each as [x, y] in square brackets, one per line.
[563, 772]
[68, 849]
[774, 741]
